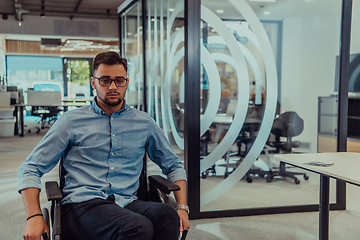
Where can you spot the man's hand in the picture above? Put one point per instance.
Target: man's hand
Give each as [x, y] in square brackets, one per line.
[35, 227]
[36, 224]
[184, 220]
[180, 197]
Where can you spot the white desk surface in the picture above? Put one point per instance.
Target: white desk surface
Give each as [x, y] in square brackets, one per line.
[78, 99]
[223, 119]
[346, 164]
[229, 120]
[65, 104]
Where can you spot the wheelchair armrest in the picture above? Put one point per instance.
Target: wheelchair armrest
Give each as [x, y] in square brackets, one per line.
[163, 184]
[53, 191]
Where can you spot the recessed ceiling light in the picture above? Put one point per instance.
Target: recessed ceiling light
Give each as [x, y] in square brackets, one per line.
[267, 13]
[220, 11]
[171, 9]
[67, 49]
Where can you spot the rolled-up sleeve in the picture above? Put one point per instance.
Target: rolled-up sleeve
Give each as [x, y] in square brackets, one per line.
[161, 153]
[45, 155]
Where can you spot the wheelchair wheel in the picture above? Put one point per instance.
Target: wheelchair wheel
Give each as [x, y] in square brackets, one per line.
[46, 215]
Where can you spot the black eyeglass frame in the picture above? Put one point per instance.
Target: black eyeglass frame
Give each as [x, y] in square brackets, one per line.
[111, 81]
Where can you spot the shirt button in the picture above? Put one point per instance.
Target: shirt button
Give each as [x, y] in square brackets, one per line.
[113, 135]
[112, 168]
[112, 118]
[112, 153]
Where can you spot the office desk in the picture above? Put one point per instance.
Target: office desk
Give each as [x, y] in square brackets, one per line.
[20, 108]
[76, 101]
[346, 168]
[222, 122]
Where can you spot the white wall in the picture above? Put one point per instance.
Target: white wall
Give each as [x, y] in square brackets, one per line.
[355, 28]
[310, 46]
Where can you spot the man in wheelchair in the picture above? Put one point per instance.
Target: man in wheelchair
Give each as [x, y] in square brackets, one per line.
[102, 146]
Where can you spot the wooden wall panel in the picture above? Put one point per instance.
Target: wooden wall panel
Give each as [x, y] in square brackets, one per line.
[328, 144]
[33, 47]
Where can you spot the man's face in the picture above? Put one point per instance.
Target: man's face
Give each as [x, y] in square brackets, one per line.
[109, 95]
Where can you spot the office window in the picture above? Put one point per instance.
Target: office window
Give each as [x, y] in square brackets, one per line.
[26, 71]
[78, 77]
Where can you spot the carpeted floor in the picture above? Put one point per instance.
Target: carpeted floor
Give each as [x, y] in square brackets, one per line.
[259, 193]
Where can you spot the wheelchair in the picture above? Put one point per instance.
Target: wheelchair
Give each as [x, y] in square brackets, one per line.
[154, 188]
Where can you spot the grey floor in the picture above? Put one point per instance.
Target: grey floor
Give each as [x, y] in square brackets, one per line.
[343, 224]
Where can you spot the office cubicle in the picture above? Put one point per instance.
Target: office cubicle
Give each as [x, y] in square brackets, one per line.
[193, 58]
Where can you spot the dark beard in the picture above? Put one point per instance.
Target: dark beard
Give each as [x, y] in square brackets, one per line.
[112, 104]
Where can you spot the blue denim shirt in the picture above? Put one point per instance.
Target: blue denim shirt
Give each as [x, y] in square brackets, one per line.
[102, 154]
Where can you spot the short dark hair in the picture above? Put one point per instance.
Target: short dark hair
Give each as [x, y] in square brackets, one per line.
[108, 58]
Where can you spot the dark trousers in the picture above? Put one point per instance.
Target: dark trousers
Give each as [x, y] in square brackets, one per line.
[100, 219]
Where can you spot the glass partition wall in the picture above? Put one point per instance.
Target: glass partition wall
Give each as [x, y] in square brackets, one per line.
[225, 80]
[354, 81]
[165, 67]
[131, 48]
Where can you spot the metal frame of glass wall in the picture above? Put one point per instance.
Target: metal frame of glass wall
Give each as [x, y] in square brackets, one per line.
[192, 109]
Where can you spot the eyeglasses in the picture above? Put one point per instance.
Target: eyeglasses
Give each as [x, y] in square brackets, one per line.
[106, 81]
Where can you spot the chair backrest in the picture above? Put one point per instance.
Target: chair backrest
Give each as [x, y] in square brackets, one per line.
[142, 192]
[62, 174]
[288, 124]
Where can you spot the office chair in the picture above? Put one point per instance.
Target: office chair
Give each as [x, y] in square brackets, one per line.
[204, 152]
[154, 188]
[288, 125]
[244, 141]
[47, 114]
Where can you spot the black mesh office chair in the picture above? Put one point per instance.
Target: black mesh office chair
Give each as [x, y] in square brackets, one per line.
[287, 125]
[48, 115]
[154, 188]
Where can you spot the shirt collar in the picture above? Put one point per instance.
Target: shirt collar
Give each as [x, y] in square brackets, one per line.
[100, 111]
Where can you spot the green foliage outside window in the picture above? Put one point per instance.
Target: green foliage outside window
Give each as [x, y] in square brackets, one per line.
[78, 72]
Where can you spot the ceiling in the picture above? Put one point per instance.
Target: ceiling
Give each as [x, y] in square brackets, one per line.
[70, 9]
[108, 8]
[65, 8]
